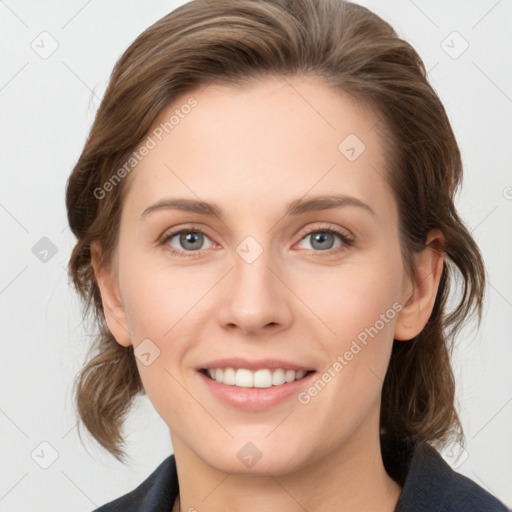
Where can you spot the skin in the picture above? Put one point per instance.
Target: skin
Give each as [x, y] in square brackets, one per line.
[252, 151]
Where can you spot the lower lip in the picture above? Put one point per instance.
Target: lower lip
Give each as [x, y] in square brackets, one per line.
[254, 399]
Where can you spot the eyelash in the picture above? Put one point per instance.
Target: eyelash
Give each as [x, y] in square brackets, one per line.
[347, 241]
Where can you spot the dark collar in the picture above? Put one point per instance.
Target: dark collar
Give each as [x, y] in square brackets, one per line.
[428, 484]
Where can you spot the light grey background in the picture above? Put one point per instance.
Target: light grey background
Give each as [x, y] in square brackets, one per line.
[47, 106]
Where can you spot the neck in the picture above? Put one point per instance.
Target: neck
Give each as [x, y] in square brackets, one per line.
[351, 477]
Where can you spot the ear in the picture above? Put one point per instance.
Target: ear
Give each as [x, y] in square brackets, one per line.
[420, 291]
[113, 308]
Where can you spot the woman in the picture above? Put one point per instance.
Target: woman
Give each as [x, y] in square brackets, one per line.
[266, 233]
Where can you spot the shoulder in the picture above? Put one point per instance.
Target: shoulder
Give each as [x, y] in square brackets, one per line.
[156, 493]
[466, 495]
[431, 484]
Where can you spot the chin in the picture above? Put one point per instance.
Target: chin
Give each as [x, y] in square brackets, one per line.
[258, 458]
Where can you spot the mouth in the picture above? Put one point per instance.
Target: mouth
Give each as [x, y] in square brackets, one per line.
[261, 378]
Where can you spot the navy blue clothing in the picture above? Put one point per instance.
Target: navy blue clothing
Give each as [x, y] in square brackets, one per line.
[428, 484]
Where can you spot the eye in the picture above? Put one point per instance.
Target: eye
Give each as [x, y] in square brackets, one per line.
[323, 239]
[191, 240]
[188, 240]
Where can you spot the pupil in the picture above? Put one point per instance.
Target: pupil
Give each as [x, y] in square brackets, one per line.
[193, 239]
[321, 237]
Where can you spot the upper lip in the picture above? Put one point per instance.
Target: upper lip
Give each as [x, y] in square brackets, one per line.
[259, 364]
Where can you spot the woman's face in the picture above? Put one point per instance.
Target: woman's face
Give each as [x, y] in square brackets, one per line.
[262, 286]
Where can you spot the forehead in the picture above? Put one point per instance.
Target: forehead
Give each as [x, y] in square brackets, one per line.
[275, 140]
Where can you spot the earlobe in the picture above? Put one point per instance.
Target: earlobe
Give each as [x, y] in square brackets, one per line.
[113, 308]
[418, 303]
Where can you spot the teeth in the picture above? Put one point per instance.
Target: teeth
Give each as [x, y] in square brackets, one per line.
[244, 378]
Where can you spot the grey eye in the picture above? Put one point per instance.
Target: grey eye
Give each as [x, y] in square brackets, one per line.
[321, 240]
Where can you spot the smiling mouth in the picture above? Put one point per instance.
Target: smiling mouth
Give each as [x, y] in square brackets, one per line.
[264, 378]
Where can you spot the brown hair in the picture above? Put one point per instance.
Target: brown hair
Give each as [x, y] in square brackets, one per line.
[352, 50]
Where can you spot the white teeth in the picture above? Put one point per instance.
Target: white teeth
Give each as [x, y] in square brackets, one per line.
[278, 377]
[289, 376]
[262, 379]
[229, 376]
[259, 379]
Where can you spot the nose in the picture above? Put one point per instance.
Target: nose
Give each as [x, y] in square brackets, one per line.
[255, 297]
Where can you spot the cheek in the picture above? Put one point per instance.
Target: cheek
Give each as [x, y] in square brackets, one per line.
[161, 305]
[359, 305]
[337, 304]
[351, 298]
[156, 298]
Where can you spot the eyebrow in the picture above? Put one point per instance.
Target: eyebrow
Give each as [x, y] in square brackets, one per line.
[317, 203]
